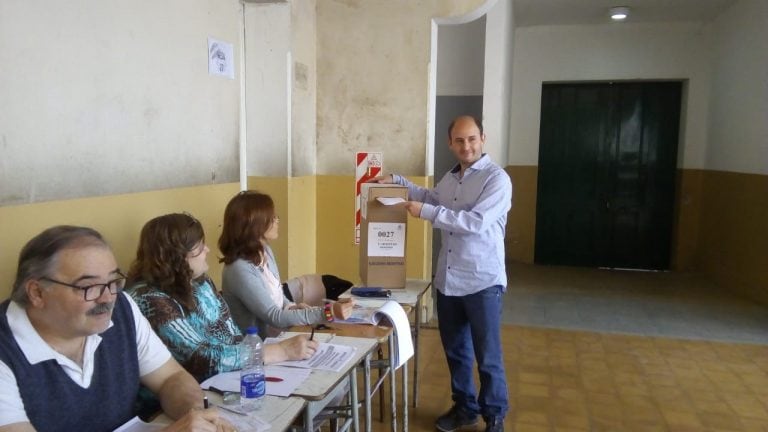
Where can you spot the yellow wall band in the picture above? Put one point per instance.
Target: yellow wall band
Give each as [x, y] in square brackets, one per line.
[720, 218]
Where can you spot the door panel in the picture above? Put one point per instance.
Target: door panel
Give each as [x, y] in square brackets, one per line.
[607, 160]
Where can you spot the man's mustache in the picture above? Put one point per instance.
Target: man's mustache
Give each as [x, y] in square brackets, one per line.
[101, 308]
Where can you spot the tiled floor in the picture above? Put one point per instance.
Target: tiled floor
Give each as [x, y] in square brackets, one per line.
[573, 380]
[651, 304]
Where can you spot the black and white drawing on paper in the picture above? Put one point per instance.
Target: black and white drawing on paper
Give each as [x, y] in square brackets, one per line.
[221, 59]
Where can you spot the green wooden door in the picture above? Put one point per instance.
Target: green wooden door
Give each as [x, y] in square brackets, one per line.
[607, 160]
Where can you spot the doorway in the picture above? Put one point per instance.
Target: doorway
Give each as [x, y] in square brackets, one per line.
[606, 179]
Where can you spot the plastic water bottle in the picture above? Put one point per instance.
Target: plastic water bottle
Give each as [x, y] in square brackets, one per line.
[253, 384]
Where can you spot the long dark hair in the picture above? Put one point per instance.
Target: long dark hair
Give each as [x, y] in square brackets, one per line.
[161, 258]
[247, 218]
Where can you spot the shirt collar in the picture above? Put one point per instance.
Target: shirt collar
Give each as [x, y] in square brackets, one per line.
[35, 349]
[479, 164]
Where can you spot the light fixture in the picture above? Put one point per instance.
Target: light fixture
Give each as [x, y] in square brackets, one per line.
[619, 13]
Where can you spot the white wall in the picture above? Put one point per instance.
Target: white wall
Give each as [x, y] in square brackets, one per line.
[304, 94]
[738, 127]
[280, 51]
[114, 97]
[610, 52]
[461, 58]
[499, 50]
[373, 80]
[267, 44]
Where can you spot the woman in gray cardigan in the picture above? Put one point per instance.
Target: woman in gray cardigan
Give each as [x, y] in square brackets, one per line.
[251, 282]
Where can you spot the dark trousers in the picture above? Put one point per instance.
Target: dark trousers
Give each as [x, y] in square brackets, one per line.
[470, 327]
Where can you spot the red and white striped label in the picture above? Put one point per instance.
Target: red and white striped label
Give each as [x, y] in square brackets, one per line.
[367, 166]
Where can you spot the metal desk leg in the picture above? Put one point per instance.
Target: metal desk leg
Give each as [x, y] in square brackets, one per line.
[405, 396]
[416, 330]
[308, 426]
[354, 400]
[367, 384]
[381, 388]
[392, 381]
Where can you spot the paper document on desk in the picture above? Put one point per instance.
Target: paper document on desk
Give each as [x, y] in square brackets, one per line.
[391, 314]
[291, 380]
[329, 357]
[138, 425]
[320, 337]
[370, 312]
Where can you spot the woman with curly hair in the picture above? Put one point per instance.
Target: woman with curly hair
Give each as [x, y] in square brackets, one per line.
[251, 281]
[168, 280]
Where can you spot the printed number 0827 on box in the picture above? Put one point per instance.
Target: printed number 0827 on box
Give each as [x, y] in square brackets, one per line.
[386, 239]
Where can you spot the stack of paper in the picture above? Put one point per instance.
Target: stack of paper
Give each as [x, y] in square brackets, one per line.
[368, 311]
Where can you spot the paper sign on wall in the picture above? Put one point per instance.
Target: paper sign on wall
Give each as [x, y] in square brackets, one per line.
[221, 58]
[386, 239]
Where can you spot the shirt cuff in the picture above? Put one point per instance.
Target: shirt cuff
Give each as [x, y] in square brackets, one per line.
[397, 179]
[428, 212]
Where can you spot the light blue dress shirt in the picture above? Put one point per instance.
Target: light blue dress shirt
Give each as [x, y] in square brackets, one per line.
[471, 213]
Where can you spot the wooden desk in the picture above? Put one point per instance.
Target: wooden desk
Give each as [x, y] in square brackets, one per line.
[317, 389]
[410, 297]
[279, 412]
[377, 335]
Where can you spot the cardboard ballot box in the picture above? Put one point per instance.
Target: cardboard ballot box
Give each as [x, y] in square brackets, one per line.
[382, 236]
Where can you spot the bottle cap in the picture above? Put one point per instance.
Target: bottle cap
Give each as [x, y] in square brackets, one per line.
[252, 330]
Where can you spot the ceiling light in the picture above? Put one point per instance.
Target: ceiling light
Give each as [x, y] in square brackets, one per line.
[619, 13]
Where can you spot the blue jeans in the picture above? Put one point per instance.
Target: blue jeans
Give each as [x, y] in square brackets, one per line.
[470, 327]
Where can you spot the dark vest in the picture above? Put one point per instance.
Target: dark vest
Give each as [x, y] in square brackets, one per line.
[53, 402]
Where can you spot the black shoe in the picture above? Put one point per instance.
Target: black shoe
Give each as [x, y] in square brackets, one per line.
[456, 419]
[494, 424]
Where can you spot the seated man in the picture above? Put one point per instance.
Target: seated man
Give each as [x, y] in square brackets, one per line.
[73, 348]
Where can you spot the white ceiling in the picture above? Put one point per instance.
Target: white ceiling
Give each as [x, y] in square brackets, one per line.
[559, 12]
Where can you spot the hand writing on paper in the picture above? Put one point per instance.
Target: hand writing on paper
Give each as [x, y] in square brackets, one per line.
[298, 347]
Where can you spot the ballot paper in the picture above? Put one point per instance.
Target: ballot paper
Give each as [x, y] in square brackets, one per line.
[390, 200]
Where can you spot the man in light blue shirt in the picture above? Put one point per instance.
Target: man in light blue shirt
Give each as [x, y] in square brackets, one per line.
[469, 206]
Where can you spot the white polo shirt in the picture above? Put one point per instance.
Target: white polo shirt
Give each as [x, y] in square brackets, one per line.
[151, 350]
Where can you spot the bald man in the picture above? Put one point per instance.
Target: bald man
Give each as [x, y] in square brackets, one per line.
[469, 206]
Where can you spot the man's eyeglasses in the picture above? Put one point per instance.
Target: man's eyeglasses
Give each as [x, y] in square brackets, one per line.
[92, 292]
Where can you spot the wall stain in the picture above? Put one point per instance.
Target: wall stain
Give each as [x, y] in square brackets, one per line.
[355, 4]
[13, 199]
[150, 113]
[301, 73]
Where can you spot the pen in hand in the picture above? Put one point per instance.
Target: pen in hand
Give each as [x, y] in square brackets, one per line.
[205, 402]
[312, 335]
